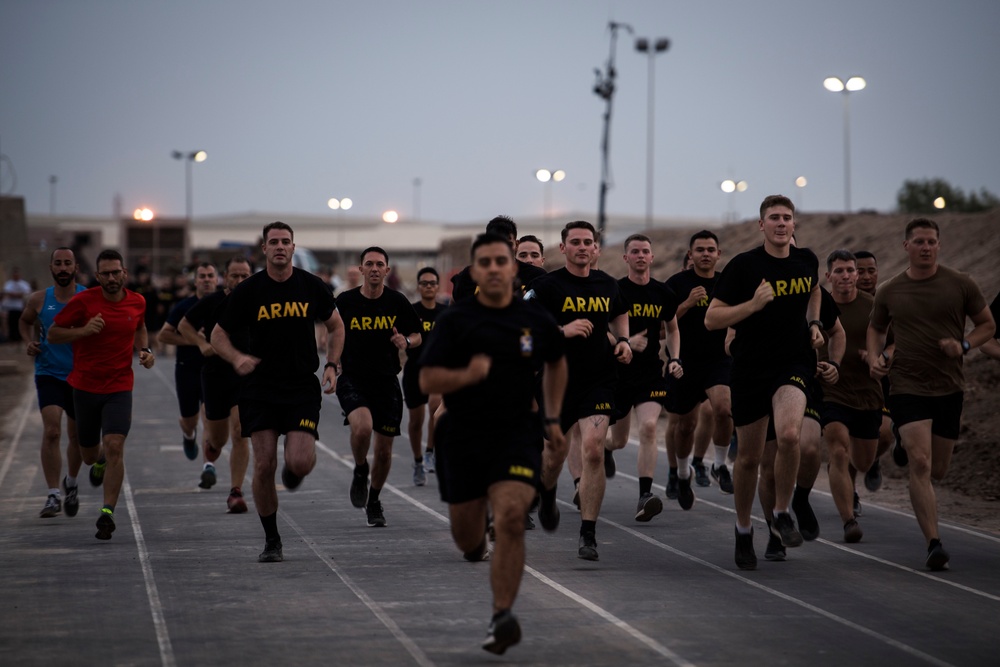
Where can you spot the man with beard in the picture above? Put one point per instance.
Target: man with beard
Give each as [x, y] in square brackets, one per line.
[53, 364]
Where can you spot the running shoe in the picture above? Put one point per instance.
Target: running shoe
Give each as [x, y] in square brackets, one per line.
[529, 523]
[784, 528]
[898, 453]
[548, 512]
[775, 550]
[72, 503]
[207, 477]
[672, 485]
[609, 464]
[873, 478]
[376, 518]
[105, 524]
[648, 507]
[576, 496]
[588, 546]
[701, 477]
[857, 504]
[480, 553]
[191, 447]
[937, 557]
[429, 460]
[359, 486]
[721, 476]
[852, 532]
[808, 523]
[503, 632]
[419, 476]
[53, 506]
[746, 558]
[235, 502]
[685, 495]
[97, 472]
[271, 553]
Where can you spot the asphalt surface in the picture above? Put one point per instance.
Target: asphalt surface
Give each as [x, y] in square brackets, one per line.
[179, 583]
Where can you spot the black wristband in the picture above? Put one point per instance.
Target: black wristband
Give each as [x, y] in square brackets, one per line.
[147, 350]
[550, 421]
[674, 359]
[624, 339]
[817, 323]
[332, 365]
[407, 339]
[834, 364]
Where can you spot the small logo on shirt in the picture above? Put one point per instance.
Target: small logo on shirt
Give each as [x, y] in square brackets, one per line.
[527, 343]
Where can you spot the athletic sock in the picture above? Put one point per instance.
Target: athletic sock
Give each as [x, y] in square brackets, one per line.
[373, 495]
[548, 495]
[801, 493]
[744, 530]
[721, 452]
[55, 492]
[270, 523]
[645, 485]
[576, 482]
[418, 459]
[70, 482]
[108, 509]
[673, 472]
[696, 460]
[684, 468]
[588, 527]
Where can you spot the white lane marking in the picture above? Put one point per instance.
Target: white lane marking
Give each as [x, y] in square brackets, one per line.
[29, 397]
[585, 603]
[418, 655]
[155, 608]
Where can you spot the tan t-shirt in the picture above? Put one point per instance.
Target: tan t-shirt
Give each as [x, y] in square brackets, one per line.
[923, 312]
[855, 388]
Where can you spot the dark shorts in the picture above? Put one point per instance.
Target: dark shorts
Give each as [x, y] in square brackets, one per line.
[380, 394]
[945, 412]
[187, 380]
[288, 415]
[861, 424]
[584, 402]
[220, 392]
[101, 414]
[412, 395]
[630, 393]
[470, 459]
[688, 392]
[752, 400]
[53, 391]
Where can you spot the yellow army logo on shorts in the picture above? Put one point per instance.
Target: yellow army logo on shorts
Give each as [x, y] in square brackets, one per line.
[799, 381]
[308, 423]
[658, 394]
[521, 471]
[602, 406]
[390, 429]
[287, 309]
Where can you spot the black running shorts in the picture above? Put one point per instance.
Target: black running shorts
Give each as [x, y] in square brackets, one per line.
[380, 394]
[293, 413]
[101, 414]
[945, 412]
[53, 391]
[187, 380]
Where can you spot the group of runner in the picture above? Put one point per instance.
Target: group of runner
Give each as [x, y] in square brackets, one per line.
[528, 371]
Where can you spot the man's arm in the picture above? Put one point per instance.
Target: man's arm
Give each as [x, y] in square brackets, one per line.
[441, 380]
[27, 324]
[619, 327]
[243, 364]
[192, 337]
[141, 343]
[991, 348]
[58, 334]
[554, 378]
[169, 336]
[673, 348]
[721, 315]
[334, 350]
[812, 316]
[878, 364]
[980, 334]
[696, 295]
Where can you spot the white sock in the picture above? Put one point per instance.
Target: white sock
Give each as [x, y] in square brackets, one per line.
[70, 482]
[744, 530]
[721, 451]
[684, 468]
[190, 436]
[54, 492]
[207, 466]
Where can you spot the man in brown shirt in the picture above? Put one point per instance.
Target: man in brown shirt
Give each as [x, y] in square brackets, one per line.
[928, 305]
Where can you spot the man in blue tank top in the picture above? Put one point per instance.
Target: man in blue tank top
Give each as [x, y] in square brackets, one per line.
[52, 365]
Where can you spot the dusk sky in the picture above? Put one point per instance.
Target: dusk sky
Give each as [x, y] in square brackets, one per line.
[299, 101]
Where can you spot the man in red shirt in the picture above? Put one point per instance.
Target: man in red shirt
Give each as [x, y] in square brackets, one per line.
[104, 324]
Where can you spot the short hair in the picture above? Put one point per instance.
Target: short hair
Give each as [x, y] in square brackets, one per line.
[504, 226]
[921, 223]
[864, 254]
[578, 224]
[238, 259]
[374, 248]
[428, 269]
[636, 237]
[277, 224]
[206, 265]
[531, 238]
[775, 200]
[110, 255]
[840, 255]
[52, 257]
[703, 234]
[487, 239]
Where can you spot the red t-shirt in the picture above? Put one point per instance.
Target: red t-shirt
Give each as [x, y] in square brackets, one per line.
[102, 363]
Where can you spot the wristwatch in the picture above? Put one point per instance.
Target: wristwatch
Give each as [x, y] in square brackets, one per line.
[624, 339]
[966, 346]
[147, 350]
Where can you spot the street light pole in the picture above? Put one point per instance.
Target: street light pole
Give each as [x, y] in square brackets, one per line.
[729, 186]
[643, 45]
[605, 89]
[189, 157]
[342, 204]
[547, 177]
[835, 85]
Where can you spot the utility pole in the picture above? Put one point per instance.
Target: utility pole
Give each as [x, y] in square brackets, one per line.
[604, 88]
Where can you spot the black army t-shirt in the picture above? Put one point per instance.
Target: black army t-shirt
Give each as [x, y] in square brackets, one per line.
[278, 318]
[699, 346]
[203, 316]
[368, 323]
[428, 317]
[648, 306]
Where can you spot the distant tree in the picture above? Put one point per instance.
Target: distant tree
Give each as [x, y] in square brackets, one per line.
[917, 196]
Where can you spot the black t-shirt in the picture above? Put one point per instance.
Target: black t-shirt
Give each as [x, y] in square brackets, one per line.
[368, 324]
[519, 339]
[995, 309]
[648, 306]
[185, 353]
[462, 284]
[427, 316]
[596, 298]
[203, 316]
[699, 346]
[776, 336]
[278, 318]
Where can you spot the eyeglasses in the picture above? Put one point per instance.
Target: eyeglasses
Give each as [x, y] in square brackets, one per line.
[427, 283]
[110, 274]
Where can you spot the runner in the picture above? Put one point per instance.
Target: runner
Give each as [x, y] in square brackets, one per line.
[531, 251]
[462, 283]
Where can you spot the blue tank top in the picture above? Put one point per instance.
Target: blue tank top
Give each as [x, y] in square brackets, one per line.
[54, 360]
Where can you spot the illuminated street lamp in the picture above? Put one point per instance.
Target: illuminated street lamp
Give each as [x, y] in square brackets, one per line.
[801, 184]
[189, 157]
[729, 186]
[342, 204]
[643, 45]
[390, 217]
[939, 203]
[853, 85]
[144, 214]
[548, 177]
